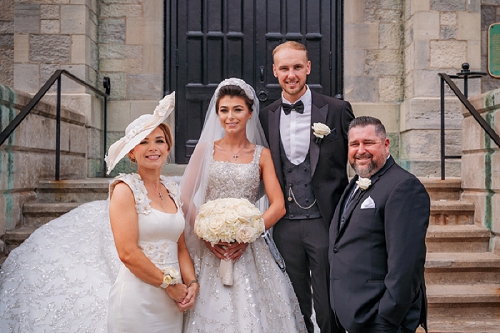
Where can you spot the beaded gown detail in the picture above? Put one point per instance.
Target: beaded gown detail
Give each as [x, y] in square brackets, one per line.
[59, 279]
[262, 298]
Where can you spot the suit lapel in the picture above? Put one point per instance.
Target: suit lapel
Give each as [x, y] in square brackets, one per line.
[349, 210]
[340, 208]
[318, 115]
[274, 140]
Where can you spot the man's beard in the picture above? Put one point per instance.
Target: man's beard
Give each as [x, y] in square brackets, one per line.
[366, 171]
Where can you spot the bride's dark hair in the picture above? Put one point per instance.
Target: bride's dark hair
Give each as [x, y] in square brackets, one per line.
[236, 91]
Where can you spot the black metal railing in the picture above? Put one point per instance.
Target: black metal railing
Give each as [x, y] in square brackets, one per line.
[464, 74]
[39, 95]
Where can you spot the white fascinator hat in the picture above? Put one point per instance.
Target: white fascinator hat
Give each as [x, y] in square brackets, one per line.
[138, 129]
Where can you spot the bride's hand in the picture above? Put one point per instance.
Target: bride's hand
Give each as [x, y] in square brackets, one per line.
[188, 302]
[217, 249]
[235, 250]
[177, 292]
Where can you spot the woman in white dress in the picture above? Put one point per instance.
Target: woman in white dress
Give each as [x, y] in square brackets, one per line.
[230, 162]
[59, 279]
[147, 223]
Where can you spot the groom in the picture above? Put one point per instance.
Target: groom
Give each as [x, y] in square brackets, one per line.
[377, 239]
[312, 174]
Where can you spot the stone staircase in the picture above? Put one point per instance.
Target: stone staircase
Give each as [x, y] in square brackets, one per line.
[54, 198]
[463, 277]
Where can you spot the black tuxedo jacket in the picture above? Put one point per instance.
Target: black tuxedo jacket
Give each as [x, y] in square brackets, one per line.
[328, 158]
[377, 257]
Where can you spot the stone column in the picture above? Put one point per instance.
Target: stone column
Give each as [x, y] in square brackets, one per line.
[373, 67]
[439, 37]
[131, 54]
[480, 164]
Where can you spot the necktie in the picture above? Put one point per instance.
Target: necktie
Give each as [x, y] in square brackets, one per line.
[287, 108]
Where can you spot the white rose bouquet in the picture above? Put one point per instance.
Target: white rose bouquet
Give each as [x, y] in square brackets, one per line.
[228, 220]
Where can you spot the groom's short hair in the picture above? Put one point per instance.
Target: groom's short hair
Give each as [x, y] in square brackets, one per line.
[364, 121]
[291, 44]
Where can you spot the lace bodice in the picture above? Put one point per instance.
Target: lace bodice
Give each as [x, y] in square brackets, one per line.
[234, 180]
[134, 181]
[158, 231]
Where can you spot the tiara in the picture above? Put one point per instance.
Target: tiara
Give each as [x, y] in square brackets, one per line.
[237, 82]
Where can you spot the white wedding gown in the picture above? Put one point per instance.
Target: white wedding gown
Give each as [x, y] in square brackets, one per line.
[59, 279]
[261, 298]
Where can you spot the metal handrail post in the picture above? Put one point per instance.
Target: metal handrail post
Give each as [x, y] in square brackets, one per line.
[58, 128]
[105, 111]
[442, 130]
[466, 86]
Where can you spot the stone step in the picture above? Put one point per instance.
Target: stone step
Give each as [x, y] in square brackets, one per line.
[457, 238]
[462, 268]
[13, 238]
[489, 325]
[39, 213]
[76, 190]
[446, 299]
[448, 189]
[466, 308]
[451, 212]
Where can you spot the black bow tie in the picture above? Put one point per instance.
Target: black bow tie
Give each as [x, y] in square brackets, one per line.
[287, 108]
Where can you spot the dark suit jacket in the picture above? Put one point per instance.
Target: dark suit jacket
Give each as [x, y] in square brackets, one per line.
[377, 257]
[328, 158]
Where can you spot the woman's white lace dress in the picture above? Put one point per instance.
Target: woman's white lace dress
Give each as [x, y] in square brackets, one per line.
[60, 278]
[136, 306]
[262, 298]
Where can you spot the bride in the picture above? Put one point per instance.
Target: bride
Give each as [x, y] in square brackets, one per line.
[230, 162]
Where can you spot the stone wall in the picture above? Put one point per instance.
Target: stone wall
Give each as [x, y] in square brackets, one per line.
[28, 155]
[131, 54]
[7, 42]
[51, 35]
[480, 164]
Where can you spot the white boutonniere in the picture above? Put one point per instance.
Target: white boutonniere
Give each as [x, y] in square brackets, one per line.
[320, 130]
[364, 183]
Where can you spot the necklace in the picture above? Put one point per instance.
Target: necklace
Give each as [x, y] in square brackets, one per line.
[159, 193]
[237, 154]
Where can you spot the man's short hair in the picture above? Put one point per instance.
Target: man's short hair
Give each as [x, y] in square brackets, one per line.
[364, 121]
[291, 44]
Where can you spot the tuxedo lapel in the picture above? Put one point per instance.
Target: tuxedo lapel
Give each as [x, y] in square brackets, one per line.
[318, 115]
[274, 140]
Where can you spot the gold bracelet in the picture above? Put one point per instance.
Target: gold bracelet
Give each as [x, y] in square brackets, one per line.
[193, 281]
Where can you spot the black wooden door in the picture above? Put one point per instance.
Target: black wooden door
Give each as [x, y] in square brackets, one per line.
[211, 40]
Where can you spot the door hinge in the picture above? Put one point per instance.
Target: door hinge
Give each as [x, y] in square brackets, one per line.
[330, 60]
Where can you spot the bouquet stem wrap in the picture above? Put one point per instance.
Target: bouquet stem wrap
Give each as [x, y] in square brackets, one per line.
[228, 220]
[226, 272]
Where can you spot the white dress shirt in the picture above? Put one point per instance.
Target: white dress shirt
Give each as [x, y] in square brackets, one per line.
[295, 130]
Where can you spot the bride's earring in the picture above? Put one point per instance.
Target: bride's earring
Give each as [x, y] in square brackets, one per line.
[168, 160]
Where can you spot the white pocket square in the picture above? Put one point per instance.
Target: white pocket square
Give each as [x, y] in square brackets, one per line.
[368, 203]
